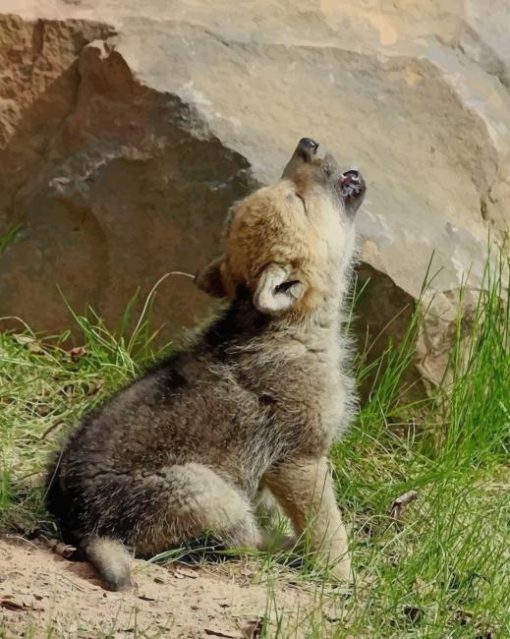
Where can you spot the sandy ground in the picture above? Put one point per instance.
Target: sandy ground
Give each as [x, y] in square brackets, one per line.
[44, 595]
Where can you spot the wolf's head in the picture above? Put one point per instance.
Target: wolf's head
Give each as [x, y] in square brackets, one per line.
[289, 245]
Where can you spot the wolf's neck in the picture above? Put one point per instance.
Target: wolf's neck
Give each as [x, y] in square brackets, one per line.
[319, 331]
[241, 326]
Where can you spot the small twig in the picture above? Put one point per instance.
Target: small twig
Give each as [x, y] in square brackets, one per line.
[9, 603]
[18, 319]
[22, 539]
[254, 628]
[400, 504]
[59, 548]
[54, 427]
[180, 573]
[151, 293]
[221, 633]
[182, 273]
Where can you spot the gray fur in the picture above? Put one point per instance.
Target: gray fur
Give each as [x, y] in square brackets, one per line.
[253, 403]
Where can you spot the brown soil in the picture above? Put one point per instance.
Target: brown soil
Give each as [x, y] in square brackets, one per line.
[44, 595]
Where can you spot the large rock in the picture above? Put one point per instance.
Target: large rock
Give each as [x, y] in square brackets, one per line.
[127, 129]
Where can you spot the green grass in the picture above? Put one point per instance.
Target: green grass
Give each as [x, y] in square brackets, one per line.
[444, 570]
[441, 570]
[9, 236]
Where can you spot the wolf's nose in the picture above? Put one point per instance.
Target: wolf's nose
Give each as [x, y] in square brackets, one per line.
[308, 146]
[352, 174]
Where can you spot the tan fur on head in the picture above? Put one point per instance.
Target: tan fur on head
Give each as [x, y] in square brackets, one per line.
[285, 243]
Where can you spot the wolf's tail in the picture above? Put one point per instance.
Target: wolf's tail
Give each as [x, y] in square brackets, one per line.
[111, 559]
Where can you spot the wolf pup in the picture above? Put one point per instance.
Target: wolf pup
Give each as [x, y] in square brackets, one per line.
[253, 404]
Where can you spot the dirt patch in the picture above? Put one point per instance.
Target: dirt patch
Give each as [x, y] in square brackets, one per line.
[43, 595]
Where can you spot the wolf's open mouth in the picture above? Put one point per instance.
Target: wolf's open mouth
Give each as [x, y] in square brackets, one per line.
[350, 183]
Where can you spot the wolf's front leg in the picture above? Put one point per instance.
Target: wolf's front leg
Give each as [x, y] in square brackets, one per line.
[305, 490]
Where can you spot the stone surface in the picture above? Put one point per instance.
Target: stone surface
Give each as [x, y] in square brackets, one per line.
[127, 128]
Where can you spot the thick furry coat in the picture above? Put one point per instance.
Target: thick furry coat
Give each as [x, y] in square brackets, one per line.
[253, 403]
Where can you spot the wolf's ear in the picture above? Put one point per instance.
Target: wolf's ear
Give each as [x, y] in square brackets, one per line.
[278, 289]
[210, 278]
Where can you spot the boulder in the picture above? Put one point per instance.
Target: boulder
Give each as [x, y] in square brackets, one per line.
[128, 128]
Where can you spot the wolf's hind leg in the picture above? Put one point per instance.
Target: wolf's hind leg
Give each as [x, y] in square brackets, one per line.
[195, 502]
